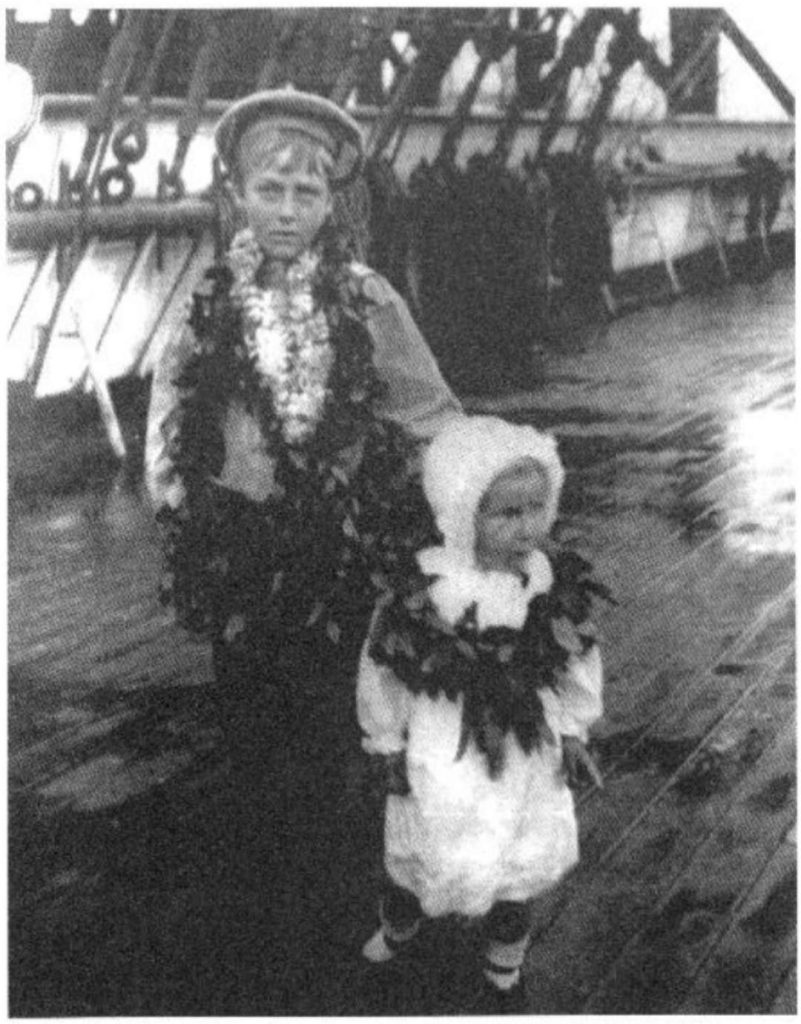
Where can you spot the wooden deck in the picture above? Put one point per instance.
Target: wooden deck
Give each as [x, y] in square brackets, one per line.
[136, 889]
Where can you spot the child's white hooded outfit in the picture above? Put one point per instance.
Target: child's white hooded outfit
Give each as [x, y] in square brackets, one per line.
[462, 841]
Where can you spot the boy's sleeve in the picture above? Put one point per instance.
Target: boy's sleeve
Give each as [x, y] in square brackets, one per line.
[163, 483]
[417, 398]
[382, 707]
[578, 693]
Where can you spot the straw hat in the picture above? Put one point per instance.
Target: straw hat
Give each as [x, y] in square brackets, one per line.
[302, 112]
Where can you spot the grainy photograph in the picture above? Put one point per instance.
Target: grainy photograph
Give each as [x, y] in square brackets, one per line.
[400, 501]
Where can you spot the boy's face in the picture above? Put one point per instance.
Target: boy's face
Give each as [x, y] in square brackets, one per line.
[511, 520]
[285, 205]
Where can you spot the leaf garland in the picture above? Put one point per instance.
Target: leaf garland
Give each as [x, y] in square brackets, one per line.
[346, 513]
[499, 672]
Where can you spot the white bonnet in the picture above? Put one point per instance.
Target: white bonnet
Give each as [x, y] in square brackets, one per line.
[466, 456]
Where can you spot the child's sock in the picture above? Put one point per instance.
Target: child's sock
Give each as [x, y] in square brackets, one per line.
[502, 963]
[387, 941]
[400, 915]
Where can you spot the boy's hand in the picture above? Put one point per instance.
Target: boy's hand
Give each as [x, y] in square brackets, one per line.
[577, 760]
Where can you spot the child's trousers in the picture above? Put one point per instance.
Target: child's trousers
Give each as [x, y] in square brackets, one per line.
[507, 929]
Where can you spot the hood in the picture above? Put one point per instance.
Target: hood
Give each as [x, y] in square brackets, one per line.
[462, 461]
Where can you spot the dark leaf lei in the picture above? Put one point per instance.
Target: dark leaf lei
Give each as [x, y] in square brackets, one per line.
[345, 512]
[499, 671]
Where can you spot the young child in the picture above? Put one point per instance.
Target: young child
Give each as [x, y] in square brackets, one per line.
[477, 686]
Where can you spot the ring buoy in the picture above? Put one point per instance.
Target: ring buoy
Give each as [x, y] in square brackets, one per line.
[27, 197]
[115, 186]
[130, 142]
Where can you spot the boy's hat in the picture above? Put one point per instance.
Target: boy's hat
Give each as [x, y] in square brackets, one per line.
[302, 112]
[463, 460]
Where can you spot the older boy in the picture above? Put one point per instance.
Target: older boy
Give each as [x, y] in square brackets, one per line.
[262, 409]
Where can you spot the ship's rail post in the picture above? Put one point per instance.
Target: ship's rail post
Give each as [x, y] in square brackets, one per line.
[704, 213]
[641, 203]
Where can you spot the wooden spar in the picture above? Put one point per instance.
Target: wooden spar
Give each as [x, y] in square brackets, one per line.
[40, 228]
[197, 93]
[92, 293]
[26, 326]
[280, 45]
[507, 130]
[19, 296]
[543, 46]
[576, 52]
[92, 341]
[99, 125]
[450, 138]
[623, 51]
[373, 30]
[113, 77]
[349, 75]
[130, 140]
[384, 129]
[759, 64]
[651, 61]
[103, 396]
[686, 74]
[487, 54]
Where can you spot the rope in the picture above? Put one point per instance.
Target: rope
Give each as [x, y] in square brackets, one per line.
[113, 78]
[116, 184]
[490, 48]
[370, 34]
[130, 141]
[403, 126]
[170, 182]
[384, 128]
[288, 35]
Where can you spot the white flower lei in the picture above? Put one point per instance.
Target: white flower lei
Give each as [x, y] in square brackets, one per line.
[287, 339]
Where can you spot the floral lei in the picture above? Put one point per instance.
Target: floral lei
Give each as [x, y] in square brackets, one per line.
[302, 362]
[499, 671]
[286, 337]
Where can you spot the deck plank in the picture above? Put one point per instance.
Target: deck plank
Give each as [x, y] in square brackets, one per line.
[610, 911]
[685, 876]
[659, 965]
[786, 1001]
[746, 970]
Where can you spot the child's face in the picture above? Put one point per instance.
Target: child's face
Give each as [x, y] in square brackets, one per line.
[286, 204]
[511, 520]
